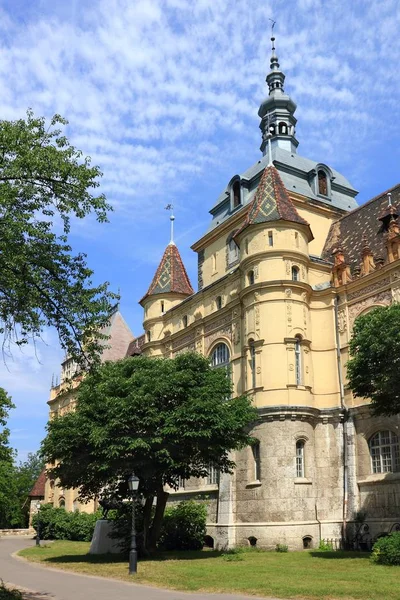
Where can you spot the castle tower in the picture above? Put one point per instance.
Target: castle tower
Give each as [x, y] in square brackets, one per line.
[170, 285]
[277, 111]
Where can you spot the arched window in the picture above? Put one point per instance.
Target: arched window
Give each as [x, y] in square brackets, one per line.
[322, 183]
[236, 194]
[184, 321]
[257, 461]
[250, 277]
[297, 354]
[61, 503]
[221, 356]
[295, 273]
[252, 363]
[75, 505]
[252, 540]
[300, 458]
[384, 450]
[218, 302]
[148, 335]
[233, 250]
[272, 129]
[283, 128]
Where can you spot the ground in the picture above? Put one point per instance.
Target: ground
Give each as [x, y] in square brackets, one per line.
[310, 574]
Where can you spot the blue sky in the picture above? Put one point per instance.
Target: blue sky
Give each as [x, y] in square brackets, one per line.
[163, 95]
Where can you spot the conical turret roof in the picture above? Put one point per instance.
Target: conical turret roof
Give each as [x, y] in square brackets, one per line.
[171, 275]
[271, 202]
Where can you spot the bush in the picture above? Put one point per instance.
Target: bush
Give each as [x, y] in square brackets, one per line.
[7, 594]
[386, 550]
[325, 546]
[184, 527]
[58, 524]
[281, 548]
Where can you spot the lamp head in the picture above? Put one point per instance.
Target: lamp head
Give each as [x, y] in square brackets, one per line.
[133, 483]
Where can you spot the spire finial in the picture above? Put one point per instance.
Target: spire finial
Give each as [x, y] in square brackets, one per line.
[389, 199]
[170, 207]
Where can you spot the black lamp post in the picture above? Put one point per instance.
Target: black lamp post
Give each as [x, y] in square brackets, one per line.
[133, 483]
[38, 523]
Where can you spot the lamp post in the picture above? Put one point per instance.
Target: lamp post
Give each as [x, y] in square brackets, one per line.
[38, 523]
[133, 483]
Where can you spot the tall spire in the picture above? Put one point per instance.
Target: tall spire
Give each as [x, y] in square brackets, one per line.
[277, 111]
[170, 207]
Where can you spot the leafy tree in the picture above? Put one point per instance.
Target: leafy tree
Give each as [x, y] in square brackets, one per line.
[373, 369]
[161, 418]
[25, 475]
[7, 482]
[44, 183]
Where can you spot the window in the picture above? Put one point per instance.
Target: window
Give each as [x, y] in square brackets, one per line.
[214, 262]
[148, 335]
[250, 277]
[184, 321]
[283, 128]
[384, 450]
[296, 239]
[181, 483]
[212, 478]
[252, 540]
[297, 353]
[218, 302]
[270, 238]
[307, 542]
[61, 503]
[233, 250]
[162, 307]
[221, 356]
[295, 273]
[236, 200]
[300, 458]
[75, 505]
[322, 183]
[252, 363]
[257, 463]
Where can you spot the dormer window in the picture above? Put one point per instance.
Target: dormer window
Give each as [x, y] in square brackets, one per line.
[321, 180]
[236, 193]
[322, 183]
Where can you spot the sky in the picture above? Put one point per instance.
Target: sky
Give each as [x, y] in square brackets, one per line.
[163, 95]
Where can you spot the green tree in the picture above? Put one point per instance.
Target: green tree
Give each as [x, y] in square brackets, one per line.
[25, 475]
[372, 370]
[44, 183]
[7, 481]
[161, 418]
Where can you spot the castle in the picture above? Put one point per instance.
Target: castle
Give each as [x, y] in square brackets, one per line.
[287, 264]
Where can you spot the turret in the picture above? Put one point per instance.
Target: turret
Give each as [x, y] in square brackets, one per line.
[170, 285]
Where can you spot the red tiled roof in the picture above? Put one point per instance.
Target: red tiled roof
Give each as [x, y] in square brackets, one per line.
[271, 202]
[135, 347]
[38, 489]
[171, 275]
[363, 226]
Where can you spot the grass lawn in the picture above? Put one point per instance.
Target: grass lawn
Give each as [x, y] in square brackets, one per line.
[309, 574]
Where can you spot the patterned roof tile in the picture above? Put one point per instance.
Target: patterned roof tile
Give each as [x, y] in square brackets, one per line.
[171, 275]
[271, 202]
[38, 489]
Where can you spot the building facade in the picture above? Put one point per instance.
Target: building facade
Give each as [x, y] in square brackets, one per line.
[287, 264]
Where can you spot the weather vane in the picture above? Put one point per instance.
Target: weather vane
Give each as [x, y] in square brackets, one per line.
[170, 207]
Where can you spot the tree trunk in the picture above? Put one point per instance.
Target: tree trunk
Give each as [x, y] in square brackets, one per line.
[155, 530]
[146, 523]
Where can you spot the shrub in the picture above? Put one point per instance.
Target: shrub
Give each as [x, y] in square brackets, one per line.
[325, 546]
[281, 548]
[386, 550]
[58, 524]
[184, 526]
[7, 594]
